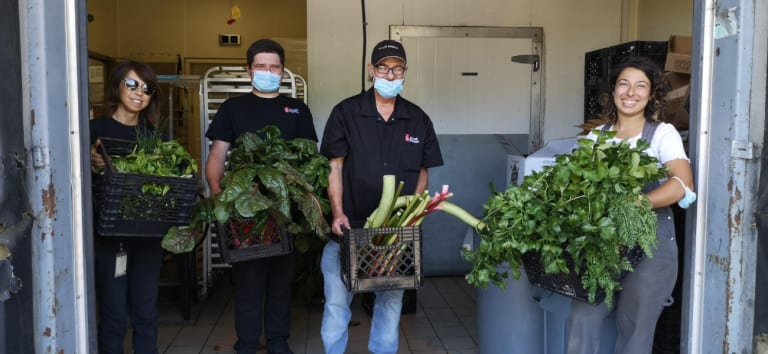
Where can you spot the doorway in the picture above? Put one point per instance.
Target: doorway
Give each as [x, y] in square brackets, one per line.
[480, 102]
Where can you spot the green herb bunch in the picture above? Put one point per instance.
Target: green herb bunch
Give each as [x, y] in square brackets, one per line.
[581, 214]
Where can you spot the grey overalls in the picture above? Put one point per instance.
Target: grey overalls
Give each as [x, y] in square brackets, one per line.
[645, 292]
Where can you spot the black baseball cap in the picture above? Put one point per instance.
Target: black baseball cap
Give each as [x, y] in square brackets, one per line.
[387, 49]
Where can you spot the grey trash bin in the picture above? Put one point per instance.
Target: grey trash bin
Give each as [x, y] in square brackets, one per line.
[509, 318]
[556, 308]
[528, 319]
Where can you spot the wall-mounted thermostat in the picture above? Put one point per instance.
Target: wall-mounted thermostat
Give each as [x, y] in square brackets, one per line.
[229, 39]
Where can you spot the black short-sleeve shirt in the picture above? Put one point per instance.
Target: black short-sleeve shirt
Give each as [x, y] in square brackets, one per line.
[249, 113]
[373, 148]
[108, 127]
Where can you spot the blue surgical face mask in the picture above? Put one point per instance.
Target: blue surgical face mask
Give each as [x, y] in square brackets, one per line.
[266, 81]
[386, 88]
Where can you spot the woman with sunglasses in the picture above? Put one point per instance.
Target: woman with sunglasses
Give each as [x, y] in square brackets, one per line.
[127, 268]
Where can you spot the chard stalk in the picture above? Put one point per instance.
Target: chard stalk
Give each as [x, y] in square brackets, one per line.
[433, 205]
[423, 201]
[391, 207]
[400, 202]
[385, 203]
[462, 214]
[411, 202]
[393, 259]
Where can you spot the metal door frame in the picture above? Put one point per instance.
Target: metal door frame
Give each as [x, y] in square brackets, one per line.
[535, 34]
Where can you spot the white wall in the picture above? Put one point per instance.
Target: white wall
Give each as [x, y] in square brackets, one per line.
[571, 28]
[658, 19]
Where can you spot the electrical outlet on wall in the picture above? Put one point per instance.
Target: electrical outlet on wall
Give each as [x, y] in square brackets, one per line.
[229, 39]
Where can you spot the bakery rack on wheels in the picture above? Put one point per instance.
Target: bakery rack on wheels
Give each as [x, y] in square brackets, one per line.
[217, 85]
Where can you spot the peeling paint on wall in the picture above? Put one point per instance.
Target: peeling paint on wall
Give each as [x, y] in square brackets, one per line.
[49, 200]
[722, 262]
[55, 307]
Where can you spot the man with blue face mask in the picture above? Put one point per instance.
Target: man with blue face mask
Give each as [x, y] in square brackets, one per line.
[262, 285]
[369, 135]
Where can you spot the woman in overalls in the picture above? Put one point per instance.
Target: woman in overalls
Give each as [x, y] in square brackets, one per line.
[635, 111]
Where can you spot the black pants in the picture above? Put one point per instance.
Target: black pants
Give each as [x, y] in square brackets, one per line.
[263, 288]
[133, 295]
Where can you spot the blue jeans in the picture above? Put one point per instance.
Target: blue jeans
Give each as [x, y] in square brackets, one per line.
[383, 338]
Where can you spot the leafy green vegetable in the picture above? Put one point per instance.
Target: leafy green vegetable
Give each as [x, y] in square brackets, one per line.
[271, 179]
[587, 208]
[149, 156]
[163, 158]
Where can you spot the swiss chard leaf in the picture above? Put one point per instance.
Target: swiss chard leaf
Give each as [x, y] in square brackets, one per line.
[268, 178]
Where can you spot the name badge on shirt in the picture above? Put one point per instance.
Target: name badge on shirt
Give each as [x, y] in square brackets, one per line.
[121, 263]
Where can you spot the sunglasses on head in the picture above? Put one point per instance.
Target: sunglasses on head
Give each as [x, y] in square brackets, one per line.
[132, 85]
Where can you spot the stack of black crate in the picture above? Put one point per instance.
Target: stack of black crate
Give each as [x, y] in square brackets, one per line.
[598, 64]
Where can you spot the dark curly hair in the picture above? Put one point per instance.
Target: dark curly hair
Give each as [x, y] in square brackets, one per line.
[147, 116]
[654, 111]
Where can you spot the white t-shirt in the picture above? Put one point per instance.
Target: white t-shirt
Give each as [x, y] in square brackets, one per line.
[666, 145]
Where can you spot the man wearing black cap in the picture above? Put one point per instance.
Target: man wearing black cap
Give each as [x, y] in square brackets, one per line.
[369, 135]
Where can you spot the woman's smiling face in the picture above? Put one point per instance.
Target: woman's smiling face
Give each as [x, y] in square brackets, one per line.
[631, 92]
[134, 100]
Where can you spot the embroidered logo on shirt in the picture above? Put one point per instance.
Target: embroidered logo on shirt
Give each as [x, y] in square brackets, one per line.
[291, 110]
[411, 139]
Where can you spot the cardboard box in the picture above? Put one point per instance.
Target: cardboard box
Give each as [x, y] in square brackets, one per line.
[679, 54]
[676, 112]
[519, 166]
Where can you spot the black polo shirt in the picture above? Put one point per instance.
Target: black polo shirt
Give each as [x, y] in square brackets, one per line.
[373, 148]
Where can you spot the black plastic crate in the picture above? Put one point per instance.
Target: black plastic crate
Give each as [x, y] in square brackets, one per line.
[366, 267]
[596, 66]
[280, 242]
[654, 50]
[592, 106]
[566, 284]
[123, 209]
[598, 63]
